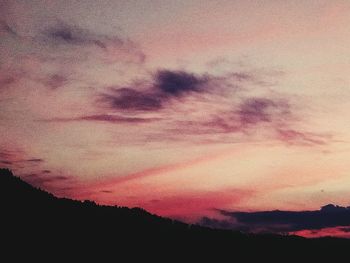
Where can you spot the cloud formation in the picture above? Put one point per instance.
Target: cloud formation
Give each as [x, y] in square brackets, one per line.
[282, 221]
[177, 83]
[41, 180]
[71, 35]
[210, 105]
[57, 54]
[186, 105]
[129, 99]
[166, 85]
[255, 110]
[13, 156]
[108, 118]
[33, 171]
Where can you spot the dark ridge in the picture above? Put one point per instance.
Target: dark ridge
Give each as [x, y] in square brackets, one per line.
[35, 223]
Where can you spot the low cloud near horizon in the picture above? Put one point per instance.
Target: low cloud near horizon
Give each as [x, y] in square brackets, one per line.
[304, 223]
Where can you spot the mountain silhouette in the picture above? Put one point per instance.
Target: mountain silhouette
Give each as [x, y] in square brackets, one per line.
[35, 222]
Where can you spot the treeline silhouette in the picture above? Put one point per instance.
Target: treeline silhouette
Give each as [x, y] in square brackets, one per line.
[34, 222]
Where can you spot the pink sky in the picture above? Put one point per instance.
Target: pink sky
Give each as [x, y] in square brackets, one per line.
[180, 107]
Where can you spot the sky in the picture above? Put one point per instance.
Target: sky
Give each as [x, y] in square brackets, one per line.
[189, 109]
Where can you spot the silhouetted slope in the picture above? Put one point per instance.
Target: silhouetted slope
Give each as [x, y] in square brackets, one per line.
[34, 220]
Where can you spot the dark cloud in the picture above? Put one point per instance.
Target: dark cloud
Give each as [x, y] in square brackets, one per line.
[244, 114]
[216, 223]
[104, 118]
[176, 83]
[35, 160]
[166, 85]
[65, 34]
[116, 119]
[133, 100]
[282, 221]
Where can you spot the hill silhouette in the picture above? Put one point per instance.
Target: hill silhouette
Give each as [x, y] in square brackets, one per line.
[35, 222]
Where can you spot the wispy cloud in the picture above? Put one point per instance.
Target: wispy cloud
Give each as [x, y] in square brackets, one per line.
[256, 110]
[103, 118]
[291, 136]
[64, 34]
[40, 179]
[132, 100]
[12, 156]
[59, 54]
[73, 35]
[35, 160]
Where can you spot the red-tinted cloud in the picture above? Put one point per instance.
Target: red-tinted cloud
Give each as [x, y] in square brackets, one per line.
[191, 206]
[339, 231]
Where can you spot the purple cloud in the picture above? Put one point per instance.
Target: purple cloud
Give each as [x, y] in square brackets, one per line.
[255, 110]
[74, 35]
[291, 136]
[104, 118]
[132, 100]
[239, 113]
[166, 85]
[177, 83]
[65, 34]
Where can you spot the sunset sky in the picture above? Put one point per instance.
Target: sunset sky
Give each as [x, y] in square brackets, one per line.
[184, 108]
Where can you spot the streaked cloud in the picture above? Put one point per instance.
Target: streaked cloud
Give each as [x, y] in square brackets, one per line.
[103, 118]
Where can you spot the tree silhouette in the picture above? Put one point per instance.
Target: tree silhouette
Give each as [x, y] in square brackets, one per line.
[36, 221]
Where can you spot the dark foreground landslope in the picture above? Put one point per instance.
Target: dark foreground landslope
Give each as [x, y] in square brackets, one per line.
[37, 222]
